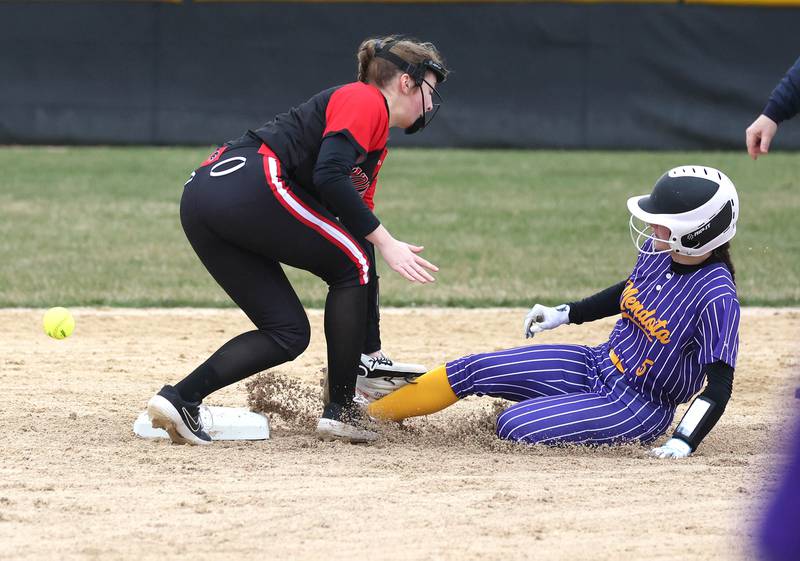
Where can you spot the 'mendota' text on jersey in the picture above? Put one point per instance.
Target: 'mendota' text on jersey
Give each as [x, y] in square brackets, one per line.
[641, 317]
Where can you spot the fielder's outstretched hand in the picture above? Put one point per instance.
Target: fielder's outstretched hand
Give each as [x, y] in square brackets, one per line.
[672, 448]
[541, 318]
[402, 257]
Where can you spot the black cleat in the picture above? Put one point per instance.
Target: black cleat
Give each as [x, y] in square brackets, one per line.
[180, 418]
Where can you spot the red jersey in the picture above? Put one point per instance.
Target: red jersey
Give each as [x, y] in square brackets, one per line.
[357, 111]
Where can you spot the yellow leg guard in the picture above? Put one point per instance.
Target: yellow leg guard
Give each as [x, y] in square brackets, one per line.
[430, 393]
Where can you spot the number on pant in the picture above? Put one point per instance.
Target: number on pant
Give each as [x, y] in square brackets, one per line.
[215, 173]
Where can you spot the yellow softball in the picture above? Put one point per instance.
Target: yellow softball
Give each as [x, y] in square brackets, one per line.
[58, 323]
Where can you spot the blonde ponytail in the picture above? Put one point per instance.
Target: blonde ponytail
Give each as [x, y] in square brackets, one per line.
[366, 54]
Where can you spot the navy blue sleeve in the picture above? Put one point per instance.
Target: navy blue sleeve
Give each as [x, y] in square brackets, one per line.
[784, 103]
[337, 156]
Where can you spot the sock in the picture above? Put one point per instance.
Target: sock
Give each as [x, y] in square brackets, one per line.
[430, 393]
[345, 310]
[242, 356]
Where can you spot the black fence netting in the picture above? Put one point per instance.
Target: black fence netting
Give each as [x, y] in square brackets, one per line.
[565, 75]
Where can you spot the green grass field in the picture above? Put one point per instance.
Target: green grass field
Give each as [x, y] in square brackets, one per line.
[100, 227]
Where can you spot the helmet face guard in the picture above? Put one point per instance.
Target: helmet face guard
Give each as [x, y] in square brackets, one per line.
[417, 73]
[641, 233]
[699, 206]
[427, 116]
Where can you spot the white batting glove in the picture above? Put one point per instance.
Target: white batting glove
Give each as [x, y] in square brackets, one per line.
[541, 318]
[673, 448]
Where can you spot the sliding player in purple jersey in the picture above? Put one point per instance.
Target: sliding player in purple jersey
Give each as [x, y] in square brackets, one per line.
[678, 328]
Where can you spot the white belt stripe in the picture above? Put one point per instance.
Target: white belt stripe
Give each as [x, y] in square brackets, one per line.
[298, 207]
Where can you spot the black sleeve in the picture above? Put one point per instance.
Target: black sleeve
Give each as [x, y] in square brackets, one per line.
[336, 159]
[716, 393]
[601, 305]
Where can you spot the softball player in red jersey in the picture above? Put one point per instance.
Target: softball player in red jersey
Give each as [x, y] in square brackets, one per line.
[678, 328]
[299, 191]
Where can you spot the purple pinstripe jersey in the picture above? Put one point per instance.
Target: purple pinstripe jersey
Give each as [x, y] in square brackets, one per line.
[672, 325]
[625, 389]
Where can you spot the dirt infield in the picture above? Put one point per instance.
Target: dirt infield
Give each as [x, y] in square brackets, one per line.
[76, 484]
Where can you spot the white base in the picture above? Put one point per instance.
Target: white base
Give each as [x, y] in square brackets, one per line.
[221, 423]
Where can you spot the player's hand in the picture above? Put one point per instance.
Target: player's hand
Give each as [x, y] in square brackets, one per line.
[759, 136]
[672, 448]
[403, 258]
[541, 318]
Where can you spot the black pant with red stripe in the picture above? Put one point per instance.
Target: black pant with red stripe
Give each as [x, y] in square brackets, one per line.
[244, 219]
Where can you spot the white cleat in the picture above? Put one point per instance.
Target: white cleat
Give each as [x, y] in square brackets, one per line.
[338, 423]
[378, 377]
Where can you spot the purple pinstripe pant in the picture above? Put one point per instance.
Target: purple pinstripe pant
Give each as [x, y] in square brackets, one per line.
[566, 394]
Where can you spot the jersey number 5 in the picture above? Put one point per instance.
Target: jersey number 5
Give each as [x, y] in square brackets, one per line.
[644, 367]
